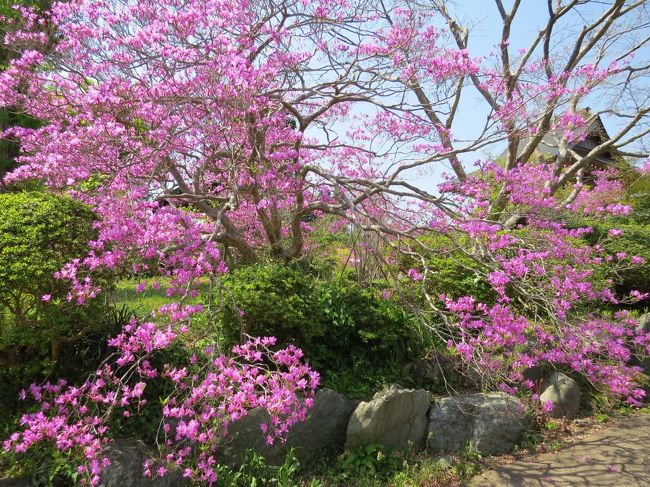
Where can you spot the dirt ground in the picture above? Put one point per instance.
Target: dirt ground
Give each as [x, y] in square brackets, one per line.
[617, 455]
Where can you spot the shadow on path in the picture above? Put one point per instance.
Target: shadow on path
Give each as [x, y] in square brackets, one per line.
[616, 456]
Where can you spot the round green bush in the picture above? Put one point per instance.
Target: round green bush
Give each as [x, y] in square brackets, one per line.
[39, 234]
[271, 299]
[349, 333]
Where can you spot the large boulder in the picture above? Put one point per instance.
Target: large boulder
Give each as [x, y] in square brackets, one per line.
[565, 394]
[643, 323]
[394, 418]
[323, 433]
[488, 423]
[126, 469]
[246, 434]
[535, 373]
[436, 369]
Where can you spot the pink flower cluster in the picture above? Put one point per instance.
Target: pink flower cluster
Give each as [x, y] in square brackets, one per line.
[503, 344]
[543, 276]
[211, 392]
[197, 415]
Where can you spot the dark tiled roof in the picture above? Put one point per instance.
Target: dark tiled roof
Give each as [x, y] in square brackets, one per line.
[594, 134]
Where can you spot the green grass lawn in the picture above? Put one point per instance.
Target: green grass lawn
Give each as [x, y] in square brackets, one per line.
[150, 299]
[143, 303]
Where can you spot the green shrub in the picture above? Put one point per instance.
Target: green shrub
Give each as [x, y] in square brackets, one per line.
[638, 195]
[376, 466]
[451, 272]
[361, 323]
[635, 241]
[47, 466]
[271, 299]
[255, 472]
[356, 339]
[368, 461]
[39, 233]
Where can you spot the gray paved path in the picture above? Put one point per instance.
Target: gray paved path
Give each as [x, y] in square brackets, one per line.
[618, 456]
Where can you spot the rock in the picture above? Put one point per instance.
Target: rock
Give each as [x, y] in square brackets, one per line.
[440, 368]
[643, 323]
[442, 462]
[246, 434]
[394, 418]
[488, 423]
[435, 369]
[565, 394]
[323, 433]
[535, 373]
[127, 457]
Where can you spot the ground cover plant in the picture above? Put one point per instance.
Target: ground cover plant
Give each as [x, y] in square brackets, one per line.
[210, 137]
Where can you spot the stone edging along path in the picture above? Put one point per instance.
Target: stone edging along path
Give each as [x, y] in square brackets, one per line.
[617, 456]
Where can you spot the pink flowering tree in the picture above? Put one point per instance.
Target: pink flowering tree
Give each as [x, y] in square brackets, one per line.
[203, 132]
[211, 392]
